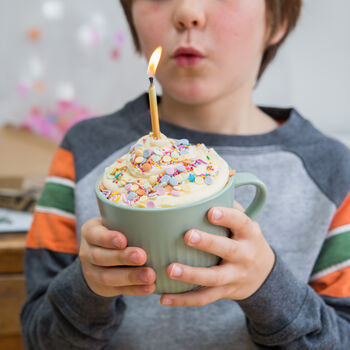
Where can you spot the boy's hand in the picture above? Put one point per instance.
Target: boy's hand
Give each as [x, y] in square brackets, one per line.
[103, 252]
[247, 260]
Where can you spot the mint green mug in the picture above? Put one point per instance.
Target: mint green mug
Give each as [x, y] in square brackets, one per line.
[160, 231]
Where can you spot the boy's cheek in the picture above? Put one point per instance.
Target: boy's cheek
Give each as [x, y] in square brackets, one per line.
[242, 23]
[150, 35]
[151, 25]
[241, 33]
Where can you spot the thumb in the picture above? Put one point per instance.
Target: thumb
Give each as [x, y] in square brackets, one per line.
[238, 206]
[237, 221]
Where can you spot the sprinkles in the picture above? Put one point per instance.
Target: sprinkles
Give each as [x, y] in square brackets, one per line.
[147, 174]
[139, 160]
[156, 158]
[131, 196]
[158, 151]
[173, 181]
[231, 173]
[191, 177]
[146, 167]
[181, 168]
[167, 159]
[150, 204]
[208, 180]
[134, 188]
[146, 153]
[165, 179]
[170, 171]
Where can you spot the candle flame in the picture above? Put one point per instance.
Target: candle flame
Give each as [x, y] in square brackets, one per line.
[154, 60]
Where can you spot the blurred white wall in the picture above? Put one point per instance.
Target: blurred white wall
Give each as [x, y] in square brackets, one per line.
[311, 72]
[67, 58]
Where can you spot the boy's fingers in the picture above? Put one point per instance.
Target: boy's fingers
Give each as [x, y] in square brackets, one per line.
[221, 246]
[238, 206]
[100, 236]
[112, 257]
[203, 276]
[238, 222]
[130, 290]
[123, 276]
[136, 290]
[199, 297]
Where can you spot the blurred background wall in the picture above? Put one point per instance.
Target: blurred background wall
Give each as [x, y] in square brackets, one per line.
[64, 60]
[312, 71]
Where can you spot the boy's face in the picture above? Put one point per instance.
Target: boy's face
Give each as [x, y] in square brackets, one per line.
[231, 35]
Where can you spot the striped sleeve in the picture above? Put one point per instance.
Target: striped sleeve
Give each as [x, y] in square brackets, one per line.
[57, 313]
[54, 224]
[288, 314]
[331, 273]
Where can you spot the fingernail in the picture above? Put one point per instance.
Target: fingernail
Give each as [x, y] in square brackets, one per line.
[116, 242]
[134, 257]
[167, 301]
[147, 289]
[217, 214]
[144, 276]
[176, 271]
[194, 237]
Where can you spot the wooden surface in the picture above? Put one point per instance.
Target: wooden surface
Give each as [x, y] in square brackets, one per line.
[11, 252]
[26, 154]
[12, 295]
[12, 342]
[27, 158]
[12, 289]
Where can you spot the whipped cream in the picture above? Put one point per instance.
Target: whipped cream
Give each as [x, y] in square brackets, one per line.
[164, 172]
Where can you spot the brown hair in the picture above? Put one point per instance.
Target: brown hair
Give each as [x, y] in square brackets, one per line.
[278, 13]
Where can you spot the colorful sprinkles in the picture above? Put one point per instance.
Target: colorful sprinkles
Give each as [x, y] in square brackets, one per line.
[179, 173]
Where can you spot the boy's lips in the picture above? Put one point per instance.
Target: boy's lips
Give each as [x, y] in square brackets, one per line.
[188, 56]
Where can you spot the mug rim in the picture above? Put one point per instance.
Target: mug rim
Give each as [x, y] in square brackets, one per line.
[101, 197]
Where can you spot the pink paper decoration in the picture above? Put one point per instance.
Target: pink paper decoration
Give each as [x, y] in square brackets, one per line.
[53, 124]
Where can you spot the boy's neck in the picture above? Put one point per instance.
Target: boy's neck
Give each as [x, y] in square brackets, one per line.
[228, 115]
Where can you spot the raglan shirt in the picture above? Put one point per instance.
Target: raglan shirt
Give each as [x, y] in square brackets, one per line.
[303, 304]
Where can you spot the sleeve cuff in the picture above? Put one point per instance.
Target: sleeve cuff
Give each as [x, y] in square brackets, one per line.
[276, 303]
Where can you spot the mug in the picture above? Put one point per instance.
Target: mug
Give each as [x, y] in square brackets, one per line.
[160, 231]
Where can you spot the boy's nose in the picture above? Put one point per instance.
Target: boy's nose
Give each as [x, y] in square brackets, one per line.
[189, 14]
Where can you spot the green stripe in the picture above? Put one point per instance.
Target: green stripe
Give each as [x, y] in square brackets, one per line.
[58, 196]
[335, 250]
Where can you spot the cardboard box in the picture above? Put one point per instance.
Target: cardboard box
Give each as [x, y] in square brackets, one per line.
[24, 162]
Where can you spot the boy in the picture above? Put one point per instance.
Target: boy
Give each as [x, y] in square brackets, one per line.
[284, 281]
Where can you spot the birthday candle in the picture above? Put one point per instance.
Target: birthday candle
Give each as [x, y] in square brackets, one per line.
[152, 68]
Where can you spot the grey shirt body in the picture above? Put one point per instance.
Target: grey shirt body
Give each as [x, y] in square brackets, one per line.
[298, 165]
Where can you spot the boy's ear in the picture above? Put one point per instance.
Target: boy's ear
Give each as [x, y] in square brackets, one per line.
[278, 35]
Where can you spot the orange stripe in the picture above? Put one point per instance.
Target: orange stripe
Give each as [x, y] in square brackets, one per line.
[342, 215]
[336, 284]
[62, 164]
[54, 232]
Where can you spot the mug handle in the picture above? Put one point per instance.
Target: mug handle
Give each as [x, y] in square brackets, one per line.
[242, 179]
